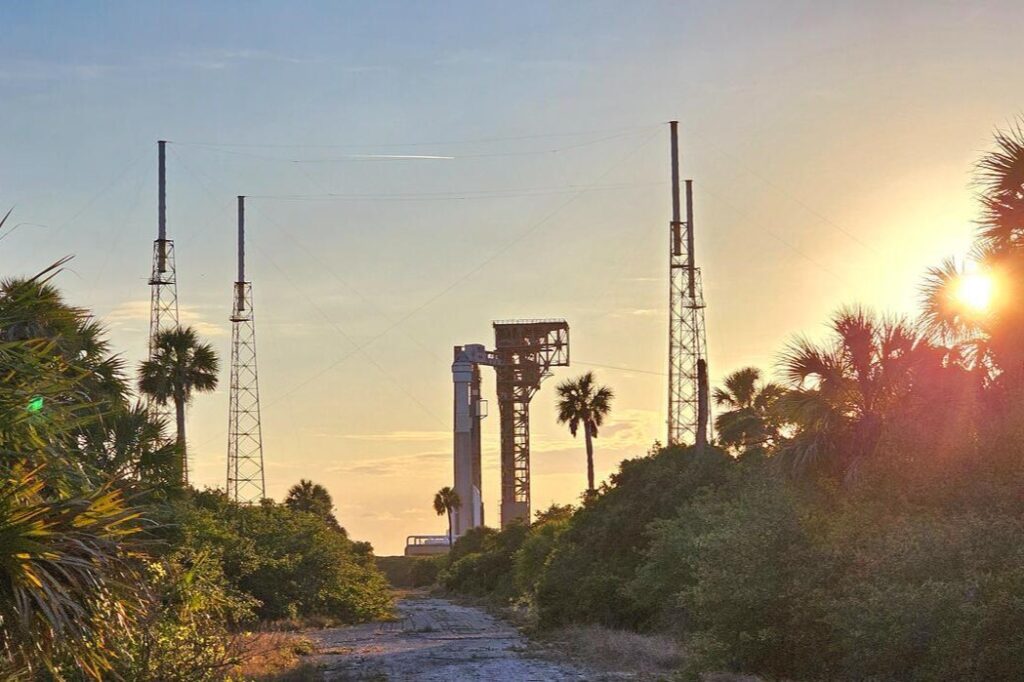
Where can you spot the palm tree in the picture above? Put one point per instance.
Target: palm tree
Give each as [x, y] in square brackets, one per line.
[312, 498]
[180, 365]
[34, 309]
[69, 583]
[447, 501]
[131, 445]
[751, 418]
[581, 401]
[842, 391]
[992, 340]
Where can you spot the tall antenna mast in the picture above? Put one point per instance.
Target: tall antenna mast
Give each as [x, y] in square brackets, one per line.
[245, 481]
[688, 413]
[163, 284]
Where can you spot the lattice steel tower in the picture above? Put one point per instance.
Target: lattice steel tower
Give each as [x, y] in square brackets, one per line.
[163, 281]
[525, 351]
[688, 409]
[245, 479]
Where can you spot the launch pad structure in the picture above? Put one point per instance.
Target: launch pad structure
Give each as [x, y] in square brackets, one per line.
[525, 351]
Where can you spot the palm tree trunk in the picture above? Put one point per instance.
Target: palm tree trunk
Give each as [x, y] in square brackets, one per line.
[449, 529]
[590, 458]
[179, 410]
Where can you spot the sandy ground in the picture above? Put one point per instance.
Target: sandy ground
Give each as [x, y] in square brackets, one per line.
[433, 640]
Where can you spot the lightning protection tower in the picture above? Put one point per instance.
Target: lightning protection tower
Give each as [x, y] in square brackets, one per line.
[163, 282]
[245, 479]
[688, 412]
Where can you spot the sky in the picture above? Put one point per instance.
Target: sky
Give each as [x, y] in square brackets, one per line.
[830, 145]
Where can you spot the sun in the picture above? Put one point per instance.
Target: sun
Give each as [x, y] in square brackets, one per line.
[974, 290]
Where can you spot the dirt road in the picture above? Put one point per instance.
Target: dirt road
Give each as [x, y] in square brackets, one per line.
[435, 640]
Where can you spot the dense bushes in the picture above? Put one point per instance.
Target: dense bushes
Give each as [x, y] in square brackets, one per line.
[487, 572]
[295, 564]
[574, 565]
[757, 571]
[595, 557]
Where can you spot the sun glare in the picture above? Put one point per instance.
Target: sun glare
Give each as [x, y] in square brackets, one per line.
[975, 290]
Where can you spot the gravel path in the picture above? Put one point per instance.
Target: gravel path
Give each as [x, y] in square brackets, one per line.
[435, 640]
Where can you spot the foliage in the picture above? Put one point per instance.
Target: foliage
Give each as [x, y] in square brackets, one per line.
[411, 571]
[575, 587]
[67, 554]
[488, 571]
[295, 564]
[582, 402]
[774, 576]
[66, 574]
[446, 501]
[312, 498]
[187, 631]
[108, 568]
[738, 573]
[751, 419]
[180, 366]
[531, 559]
[842, 391]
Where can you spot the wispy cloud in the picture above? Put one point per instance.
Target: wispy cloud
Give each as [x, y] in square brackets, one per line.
[214, 59]
[205, 59]
[629, 429]
[399, 436]
[28, 71]
[637, 312]
[129, 312]
[400, 465]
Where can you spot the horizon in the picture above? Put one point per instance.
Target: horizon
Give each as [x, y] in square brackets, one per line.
[404, 193]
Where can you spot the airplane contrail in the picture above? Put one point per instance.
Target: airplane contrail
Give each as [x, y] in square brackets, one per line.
[422, 157]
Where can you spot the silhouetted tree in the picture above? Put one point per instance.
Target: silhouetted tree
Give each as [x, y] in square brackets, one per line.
[751, 418]
[582, 401]
[313, 498]
[447, 501]
[180, 365]
[843, 389]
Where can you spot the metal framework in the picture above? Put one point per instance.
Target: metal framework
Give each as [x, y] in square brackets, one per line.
[688, 409]
[163, 281]
[525, 350]
[245, 479]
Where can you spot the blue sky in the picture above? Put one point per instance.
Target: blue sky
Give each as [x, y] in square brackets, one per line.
[830, 144]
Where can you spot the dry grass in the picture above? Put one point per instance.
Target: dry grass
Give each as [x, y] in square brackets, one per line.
[617, 651]
[277, 657]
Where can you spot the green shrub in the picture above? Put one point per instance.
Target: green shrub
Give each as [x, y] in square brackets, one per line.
[928, 596]
[293, 562]
[488, 572]
[531, 558]
[186, 632]
[424, 571]
[595, 558]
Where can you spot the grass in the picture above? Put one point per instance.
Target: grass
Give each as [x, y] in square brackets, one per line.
[277, 657]
[617, 651]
